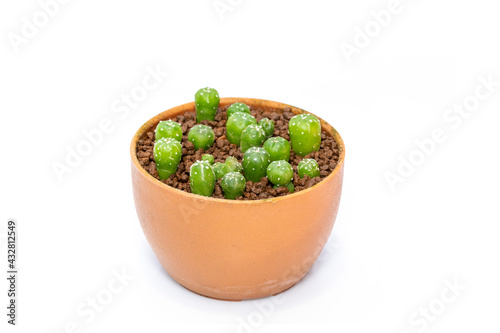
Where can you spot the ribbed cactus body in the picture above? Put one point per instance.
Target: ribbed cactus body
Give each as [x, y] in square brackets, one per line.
[202, 178]
[278, 148]
[255, 163]
[168, 129]
[208, 158]
[268, 126]
[305, 134]
[308, 167]
[237, 107]
[233, 185]
[280, 172]
[201, 136]
[167, 155]
[252, 136]
[206, 102]
[236, 124]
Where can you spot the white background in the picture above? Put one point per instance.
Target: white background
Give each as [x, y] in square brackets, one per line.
[391, 252]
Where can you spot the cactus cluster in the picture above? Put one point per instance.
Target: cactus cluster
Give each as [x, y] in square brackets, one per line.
[206, 103]
[201, 136]
[264, 155]
[167, 154]
[305, 134]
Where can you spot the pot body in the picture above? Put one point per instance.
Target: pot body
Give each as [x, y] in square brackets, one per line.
[235, 250]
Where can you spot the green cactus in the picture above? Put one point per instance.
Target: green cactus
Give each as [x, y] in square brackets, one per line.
[252, 136]
[268, 126]
[208, 158]
[308, 167]
[201, 136]
[305, 134]
[233, 185]
[220, 169]
[278, 148]
[255, 163]
[168, 129]
[237, 107]
[289, 186]
[206, 101]
[280, 172]
[236, 124]
[233, 165]
[202, 178]
[167, 154]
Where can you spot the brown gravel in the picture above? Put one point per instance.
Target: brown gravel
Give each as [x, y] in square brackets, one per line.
[327, 157]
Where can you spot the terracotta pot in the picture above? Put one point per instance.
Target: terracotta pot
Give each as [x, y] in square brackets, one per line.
[234, 250]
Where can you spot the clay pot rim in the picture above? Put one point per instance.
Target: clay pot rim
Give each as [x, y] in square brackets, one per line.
[225, 101]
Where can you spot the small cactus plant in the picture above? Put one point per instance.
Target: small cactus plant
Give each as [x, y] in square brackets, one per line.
[220, 169]
[305, 134]
[233, 185]
[201, 136]
[236, 124]
[255, 163]
[208, 158]
[233, 165]
[280, 173]
[278, 148]
[237, 107]
[168, 129]
[252, 136]
[206, 102]
[202, 178]
[167, 155]
[308, 167]
[268, 126]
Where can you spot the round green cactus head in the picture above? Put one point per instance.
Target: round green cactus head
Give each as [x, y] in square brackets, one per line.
[236, 124]
[237, 107]
[202, 178]
[201, 136]
[280, 172]
[255, 162]
[206, 102]
[278, 148]
[168, 129]
[305, 134]
[233, 185]
[308, 167]
[268, 126]
[252, 136]
[167, 154]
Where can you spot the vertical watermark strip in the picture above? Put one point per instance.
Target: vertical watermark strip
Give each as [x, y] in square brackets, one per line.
[12, 275]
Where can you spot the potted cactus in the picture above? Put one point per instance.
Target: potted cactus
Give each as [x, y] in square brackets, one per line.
[247, 185]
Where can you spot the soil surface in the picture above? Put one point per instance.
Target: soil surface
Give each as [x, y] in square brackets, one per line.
[327, 157]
